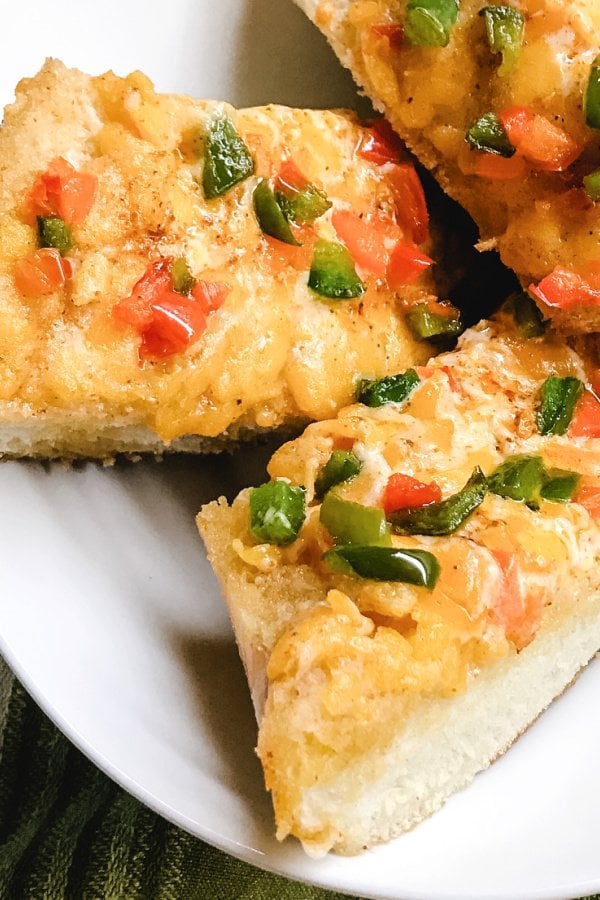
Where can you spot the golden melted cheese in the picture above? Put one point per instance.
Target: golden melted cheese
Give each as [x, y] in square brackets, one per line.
[273, 353]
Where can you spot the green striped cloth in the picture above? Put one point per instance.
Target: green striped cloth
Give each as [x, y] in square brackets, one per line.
[68, 832]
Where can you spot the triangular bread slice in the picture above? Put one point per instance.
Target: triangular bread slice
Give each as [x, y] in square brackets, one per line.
[532, 67]
[377, 699]
[116, 182]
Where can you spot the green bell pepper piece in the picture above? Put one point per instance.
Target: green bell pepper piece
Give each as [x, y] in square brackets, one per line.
[54, 232]
[418, 567]
[341, 466]
[277, 512]
[591, 98]
[427, 325]
[352, 523]
[560, 485]
[443, 517]
[428, 23]
[527, 316]
[558, 399]
[393, 389]
[519, 478]
[591, 184]
[332, 272]
[304, 205]
[488, 134]
[182, 278]
[227, 160]
[505, 27]
[270, 216]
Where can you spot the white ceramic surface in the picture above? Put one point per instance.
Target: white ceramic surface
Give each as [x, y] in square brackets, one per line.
[110, 614]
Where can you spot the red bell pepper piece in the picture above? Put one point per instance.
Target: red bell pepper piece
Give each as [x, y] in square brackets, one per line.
[405, 492]
[563, 289]
[62, 191]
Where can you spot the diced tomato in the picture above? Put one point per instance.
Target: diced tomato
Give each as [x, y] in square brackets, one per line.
[406, 264]
[381, 144]
[370, 241]
[411, 206]
[42, 272]
[289, 178]
[394, 34]
[563, 289]
[499, 168]
[405, 492]
[589, 497]
[586, 419]
[167, 322]
[517, 611]
[62, 191]
[210, 294]
[546, 145]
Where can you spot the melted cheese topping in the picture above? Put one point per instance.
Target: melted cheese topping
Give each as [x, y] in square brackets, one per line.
[274, 352]
[433, 95]
[345, 670]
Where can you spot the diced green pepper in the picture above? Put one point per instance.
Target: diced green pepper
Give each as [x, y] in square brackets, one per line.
[227, 160]
[427, 325]
[505, 27]
[559, 485]
[591, 99]
[181, 275]
[591, 184]
[558, 399]
[527, 316]
[428, 23]
[393, 389]
[276, 512]
[518, 478]
[341, 466]
[352, 523]
[488, 134]
[332, 272]
[54, 232]
[418, 567]
[304, 205]
[270, 217]
[447, 515]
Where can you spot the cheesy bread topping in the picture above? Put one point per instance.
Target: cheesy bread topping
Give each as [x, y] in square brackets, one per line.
[411, 543]
[188, 267]
[502, 101]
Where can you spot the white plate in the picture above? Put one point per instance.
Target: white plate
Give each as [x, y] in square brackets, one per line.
[110, 614]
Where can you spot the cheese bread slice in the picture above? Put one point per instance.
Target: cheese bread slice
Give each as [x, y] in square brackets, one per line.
[417, 582]
[180, 274]
[502, 103]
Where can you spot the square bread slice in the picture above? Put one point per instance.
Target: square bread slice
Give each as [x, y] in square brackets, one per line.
[396, 643]
[155, 259]
[502, 103]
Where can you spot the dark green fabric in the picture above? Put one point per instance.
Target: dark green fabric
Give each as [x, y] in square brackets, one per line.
[69, 833]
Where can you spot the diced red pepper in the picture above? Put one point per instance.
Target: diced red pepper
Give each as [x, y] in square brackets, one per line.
[500, 168]
[343, 443]
[518, 612]
[381, 144]
[563, 289]
[394, 33]
[290, 179]
[411, 206]
[406, 264]
[589, 497]
[546, 145]
[370, 241]
[42, 272]
[282, 255]
[586, 418]
[62, 191]
[167, 322]
[405, 492]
